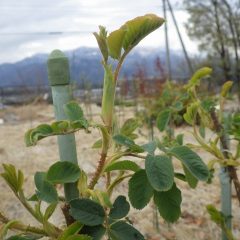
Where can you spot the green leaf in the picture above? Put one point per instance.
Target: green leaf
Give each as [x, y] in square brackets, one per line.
[87, 211]
[168, 203]
[138, 28]
[5, 227]
[198, 75]
[150, 147]
[79, 237]
[45, 190]
[160, 172]
[125, 141]
[179, 139]
[139, 190]
[14, 178]
[226, 88]
[24, 237]
[74, 228]
[96, 232]
[129, 126]
[97, 144]
[63, 172]
[216, 216]
[115, 43]
[191, 180]
[120, 208]
[123, 231]
[73, 111]
[50, 210]
[191, 161]
[163, 119]
[122, 165]
[191, 113]
[102, 42]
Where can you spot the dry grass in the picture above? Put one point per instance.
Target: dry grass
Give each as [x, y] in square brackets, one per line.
[194, 223]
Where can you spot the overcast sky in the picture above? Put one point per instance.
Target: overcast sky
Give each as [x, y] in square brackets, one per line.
[25, 24]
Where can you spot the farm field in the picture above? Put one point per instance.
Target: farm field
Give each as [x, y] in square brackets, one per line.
[194, 223]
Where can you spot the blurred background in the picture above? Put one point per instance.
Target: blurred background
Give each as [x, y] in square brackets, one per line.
[196, 33]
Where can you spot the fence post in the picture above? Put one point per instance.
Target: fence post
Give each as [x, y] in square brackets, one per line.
[59, 78]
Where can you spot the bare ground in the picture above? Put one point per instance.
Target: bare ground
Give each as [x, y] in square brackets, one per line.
[194, 223]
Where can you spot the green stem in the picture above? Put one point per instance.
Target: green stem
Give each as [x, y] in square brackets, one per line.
[21, 227]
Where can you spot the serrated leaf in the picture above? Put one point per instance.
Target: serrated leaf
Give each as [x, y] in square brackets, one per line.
[87, 211]
[191, 161]
[125, 141]
[168, 203]
[73, 111]
[139, 190]
[129, 126]
[123, 231]
[123, 166]
[74, 228]
[120, 208]
[63, 172]
[45, 190]
[160, 172]
[191, 180]
[163, 119]
[115, 43]
[138, 28]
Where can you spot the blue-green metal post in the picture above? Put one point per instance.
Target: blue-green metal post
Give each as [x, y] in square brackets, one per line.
[226, 199]
[59, 78]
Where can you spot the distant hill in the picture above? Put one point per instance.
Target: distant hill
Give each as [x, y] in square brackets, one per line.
[85, 66]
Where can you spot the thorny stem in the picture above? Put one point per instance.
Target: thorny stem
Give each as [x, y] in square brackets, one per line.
[98, 172]
[223, 139]
[21, 227]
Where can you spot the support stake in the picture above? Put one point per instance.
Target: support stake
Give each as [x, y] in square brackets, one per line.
[59, 78]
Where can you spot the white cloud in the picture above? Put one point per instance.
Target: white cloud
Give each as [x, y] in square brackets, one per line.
[27, 16]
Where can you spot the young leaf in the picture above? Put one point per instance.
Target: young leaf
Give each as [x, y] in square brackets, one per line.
[45, 190]
[50, 210]
[160, 172]
[191, 113]
[73, 111]
[74, 228]
[123, 231]
[139, 190]
[122, 165]
[191, 161]
[168, 203]
[163, 119]
[102, 42]
[97, 144]
[63, 172]
[138, 28]
[115, 42]
[198, 75]
[87, 211]
[129, 126]
[225, 88]
[120, 208]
